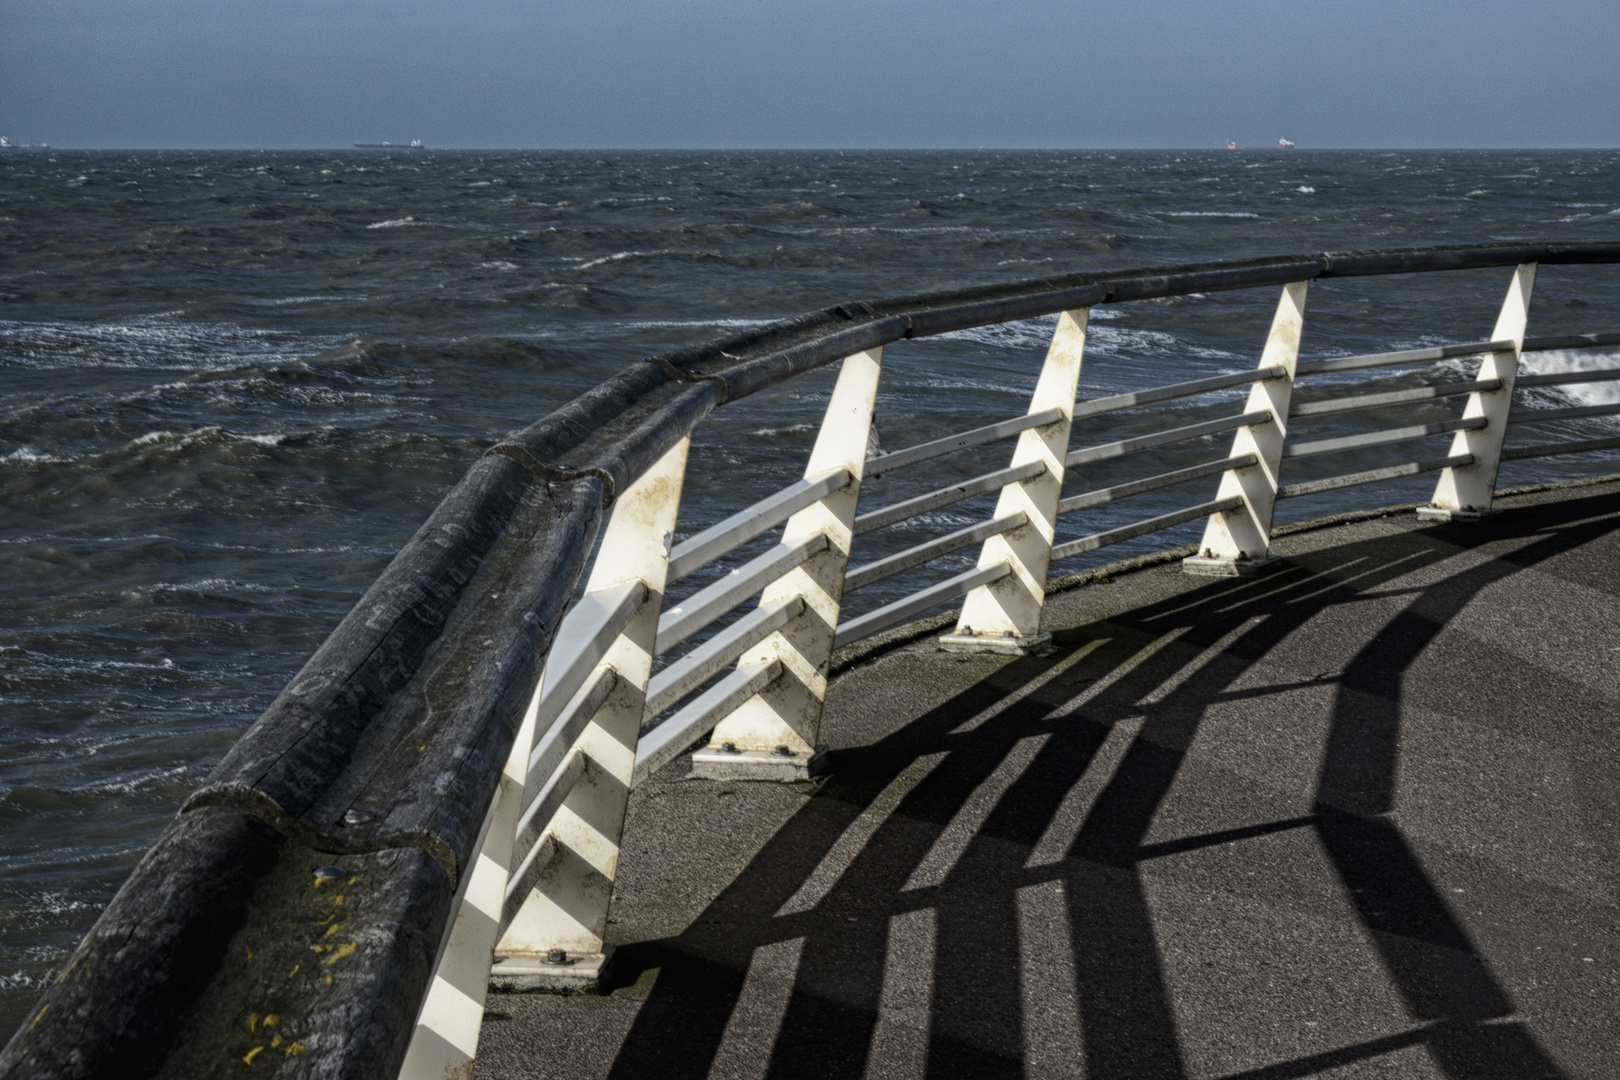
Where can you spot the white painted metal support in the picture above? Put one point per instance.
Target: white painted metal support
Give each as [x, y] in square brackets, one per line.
[774, 730]
[1004, 614]
[669, 740]
[745, 524]
[875, 622]
[1463, 493]
[446, 1036]
[708, 659]
[1237, 542]
[555, 938]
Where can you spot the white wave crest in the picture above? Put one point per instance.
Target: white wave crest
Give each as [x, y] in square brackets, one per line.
[183, 439]
[26, 456]
[152, 342]
[1023, 334]
[1212, 213]
[1559, 361]
[620, 256]
[791, 429]
[406, 222]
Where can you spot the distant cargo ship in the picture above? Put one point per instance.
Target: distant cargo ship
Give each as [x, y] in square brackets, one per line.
[414, 144]
[7, 144]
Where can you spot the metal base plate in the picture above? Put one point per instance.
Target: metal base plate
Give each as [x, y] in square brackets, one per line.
[529, 972]
[996, 643]
[1206, 566]
[713, 764]
[1441, 513]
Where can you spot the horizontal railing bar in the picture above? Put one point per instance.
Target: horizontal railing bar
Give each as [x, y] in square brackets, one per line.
[526, 844]
[1569, 341]
[809, 340]
[553, 744]
[669, 740]
[698, 666]
[864, 626]
[1088, 454]
[1154, 483]
[945, 496]
[712, 601]
[862, 576]
[1560, 378]
[1405, 356]
[1393, 397]
[582, 641]
[1382, 438]
[1410, 468]
[1537, 416]
[699, 551]
[1582, 446]
[1142, 528]
[884, 463]
[1098, 406]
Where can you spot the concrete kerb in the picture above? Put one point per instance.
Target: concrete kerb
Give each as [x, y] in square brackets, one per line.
[857, 653]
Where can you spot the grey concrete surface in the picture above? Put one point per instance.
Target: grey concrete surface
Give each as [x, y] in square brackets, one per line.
[1353, 819]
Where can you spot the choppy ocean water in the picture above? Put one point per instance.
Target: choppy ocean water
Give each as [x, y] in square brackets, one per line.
[237, 382]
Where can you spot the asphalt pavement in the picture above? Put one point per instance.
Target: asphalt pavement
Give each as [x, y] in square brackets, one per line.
[1355, 818]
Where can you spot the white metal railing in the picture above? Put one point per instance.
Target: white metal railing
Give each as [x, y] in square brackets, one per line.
[736, 664]
[603, 721]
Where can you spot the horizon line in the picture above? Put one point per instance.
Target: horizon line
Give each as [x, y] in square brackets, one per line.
[406, 147]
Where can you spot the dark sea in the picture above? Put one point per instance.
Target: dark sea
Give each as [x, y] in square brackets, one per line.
[235, 383]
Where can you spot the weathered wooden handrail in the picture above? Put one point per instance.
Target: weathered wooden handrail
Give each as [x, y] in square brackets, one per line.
[419, 765]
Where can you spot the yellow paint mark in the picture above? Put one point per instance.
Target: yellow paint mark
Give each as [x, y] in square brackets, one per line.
[337, 901]
[327, 979]
[249, 949]
[330, 930]
[422, 747]
[253, 1022]
[342, 951]
[39, 1016]
[275, 1042]
[319, 882]
[271, 1020]
[294, 971]
[248, 1057]
[294, 1049]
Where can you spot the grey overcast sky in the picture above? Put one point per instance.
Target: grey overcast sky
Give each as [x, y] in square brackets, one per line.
[811, 73]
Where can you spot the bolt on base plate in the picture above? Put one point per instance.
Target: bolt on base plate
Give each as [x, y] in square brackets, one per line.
[1441, 513]
[1009, 644]
[575, 974]
[713, 763]
[1209, 566]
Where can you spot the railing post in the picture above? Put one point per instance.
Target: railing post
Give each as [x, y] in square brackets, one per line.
[1005, 615]
[1237, 542]
[772, 735]
[555, 938]
[1464, 492]
[446, 1036]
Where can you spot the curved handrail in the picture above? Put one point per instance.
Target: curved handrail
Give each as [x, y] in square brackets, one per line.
[385, 753]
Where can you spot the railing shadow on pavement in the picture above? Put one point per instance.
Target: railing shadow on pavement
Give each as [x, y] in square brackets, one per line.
[1465, 1018]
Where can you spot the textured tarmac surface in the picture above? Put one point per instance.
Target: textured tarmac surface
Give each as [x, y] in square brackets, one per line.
[1354, 819]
